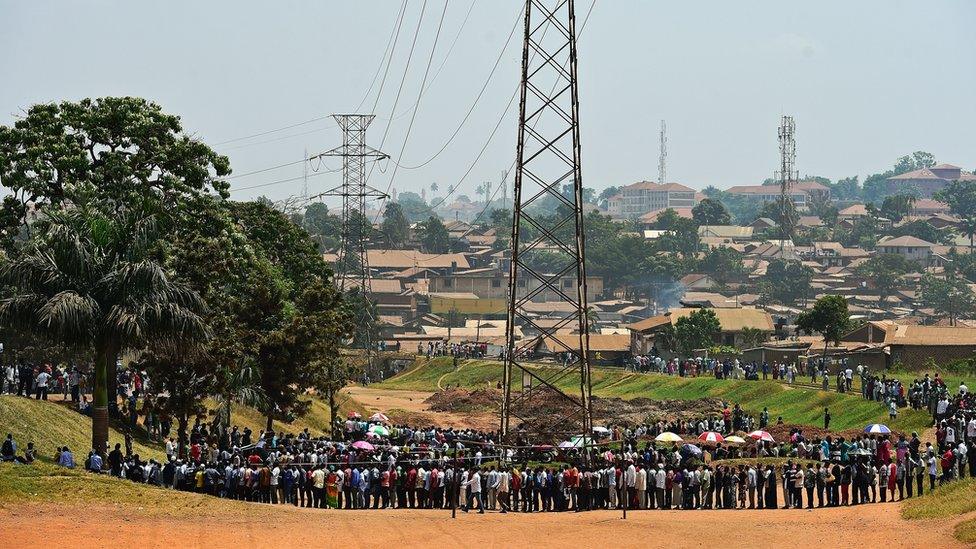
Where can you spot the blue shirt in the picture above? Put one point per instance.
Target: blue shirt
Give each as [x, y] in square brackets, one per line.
[67, 459]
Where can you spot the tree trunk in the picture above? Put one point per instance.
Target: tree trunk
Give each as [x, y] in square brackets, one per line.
[270, 426]
[183, 422]
[227, 411]
[100, 404]
[333, 413]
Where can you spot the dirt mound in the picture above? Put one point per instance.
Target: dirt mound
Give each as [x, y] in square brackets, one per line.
[782, 432]
[461, 400]
[545, 402]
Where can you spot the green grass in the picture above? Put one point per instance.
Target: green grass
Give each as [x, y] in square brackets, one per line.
[952, 499]
[316, 420]
[796, 405]
[49, 425]
[47, 483]
[965, 531]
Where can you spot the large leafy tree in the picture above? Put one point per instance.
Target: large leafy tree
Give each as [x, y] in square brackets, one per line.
[786, 281]
[897, 206]
[711, 212]
[324, 226]
[88, 280]
[433, 236]
[298, 317]
[884, 271]
[395, 227]
[949, 297]
[696, 331]
[111, 155]
[828, 317]
[722, 264]
[961, 198]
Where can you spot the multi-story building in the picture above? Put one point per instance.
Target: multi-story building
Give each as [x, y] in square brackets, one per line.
[801, 192]
[927, 181]
[491, 283]
[637, 199]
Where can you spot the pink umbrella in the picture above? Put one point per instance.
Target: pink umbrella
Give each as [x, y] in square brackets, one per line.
[354, 415]
[379, 417]
[711, 436]
[761, 435]
[363, 445]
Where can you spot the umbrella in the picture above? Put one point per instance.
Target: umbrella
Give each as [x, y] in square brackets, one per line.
[711, 436]
[667, 436]
[761, 435]
[735, 439]
[379, 417]
[860, 452]
[566, 444]
[691, 449]
[379, 430]
[363, 445]
[877, 429]
[354, 415]
[580, 440]
[601, 430]
[372, 435]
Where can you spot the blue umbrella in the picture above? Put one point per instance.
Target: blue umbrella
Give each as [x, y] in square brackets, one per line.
[691, 450]
[877, 429]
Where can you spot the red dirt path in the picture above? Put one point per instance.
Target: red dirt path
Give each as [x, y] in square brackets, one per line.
[92, 526]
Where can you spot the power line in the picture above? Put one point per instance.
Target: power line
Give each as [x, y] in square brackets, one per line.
[416, 105]
[394, 32]
[278, 182]
[474, 104]
[266, 169]
[259, 134]
[282, 138]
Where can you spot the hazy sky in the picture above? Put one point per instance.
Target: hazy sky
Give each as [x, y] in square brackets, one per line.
[867, 81]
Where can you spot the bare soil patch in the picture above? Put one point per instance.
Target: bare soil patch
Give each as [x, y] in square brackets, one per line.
[867, 526]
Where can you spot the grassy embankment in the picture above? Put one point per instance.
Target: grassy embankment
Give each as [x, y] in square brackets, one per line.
[951, 500]
[795, 405]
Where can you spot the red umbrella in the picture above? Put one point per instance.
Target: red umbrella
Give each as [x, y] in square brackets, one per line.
[761, 435]
[711, 436]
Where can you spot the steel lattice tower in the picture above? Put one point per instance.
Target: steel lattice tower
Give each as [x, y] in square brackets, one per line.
[548, 167]
[352, 267]
[787, 173]
[353, 263]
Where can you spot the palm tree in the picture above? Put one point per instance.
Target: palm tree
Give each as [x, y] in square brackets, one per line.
[88, 281]
[433, 188]
[242, 386]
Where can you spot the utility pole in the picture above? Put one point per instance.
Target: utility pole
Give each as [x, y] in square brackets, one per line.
[662, 162]
[352, 267]
[548, 157]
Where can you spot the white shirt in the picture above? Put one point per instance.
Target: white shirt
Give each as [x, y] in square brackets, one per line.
[660, 478]
[42, 379]
[474, 484]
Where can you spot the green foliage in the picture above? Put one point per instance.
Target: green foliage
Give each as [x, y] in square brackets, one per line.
[752, 337]
[325, 227]
[710, 212]
[883, 271]
[897, 206]
[696, 331]
[828, 317]
[395, 228]
[950, 297]
[433, 236]
[414, 207]
[924, 230]
[785, 214]
[722, 264]
[786, 281]
[111, 155]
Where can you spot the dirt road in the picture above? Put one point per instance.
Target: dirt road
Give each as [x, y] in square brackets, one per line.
[408, 407]
[864, 526]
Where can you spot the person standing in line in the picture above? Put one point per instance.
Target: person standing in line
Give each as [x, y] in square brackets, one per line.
[503, 490]
[41, 382]
[474, 489]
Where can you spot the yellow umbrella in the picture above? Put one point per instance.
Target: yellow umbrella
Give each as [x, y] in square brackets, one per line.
[667, 436]
[735, 439]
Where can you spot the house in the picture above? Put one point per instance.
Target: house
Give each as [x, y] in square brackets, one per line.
[914, 345]
[633, 201]
[852, 212]
[398, 260]
[762, 223]
[648, 220]
[645, 334]
[604, 349]
[910, 247]
[730, 232]
[927, 181]
[697, 281]
[928, 206]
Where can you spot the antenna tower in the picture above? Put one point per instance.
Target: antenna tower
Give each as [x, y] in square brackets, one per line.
[552, 402]
[662, 163]
[787, 175]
